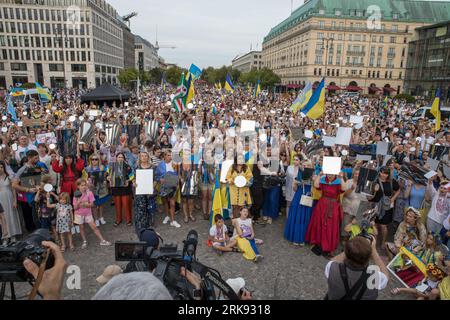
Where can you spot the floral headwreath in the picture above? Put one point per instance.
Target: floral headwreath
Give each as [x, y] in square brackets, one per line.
[436, 271]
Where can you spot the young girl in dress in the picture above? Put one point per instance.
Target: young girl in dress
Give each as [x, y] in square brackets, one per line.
[243, 228]
[64, 219]
[83, 204]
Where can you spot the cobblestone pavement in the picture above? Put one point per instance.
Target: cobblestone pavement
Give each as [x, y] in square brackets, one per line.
[286, 272]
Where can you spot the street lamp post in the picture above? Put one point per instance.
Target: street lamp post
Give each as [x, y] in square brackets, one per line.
[327, 41]
[61, 36]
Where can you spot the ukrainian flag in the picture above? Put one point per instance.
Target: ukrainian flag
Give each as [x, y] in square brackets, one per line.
[436, 109]
[315, 107]
[191, 89]
[303, 98]
[217, 207]
[258, 89]
[229, 84]
[42, 92]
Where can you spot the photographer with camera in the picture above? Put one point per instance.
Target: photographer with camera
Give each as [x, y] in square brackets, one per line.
[348, 274]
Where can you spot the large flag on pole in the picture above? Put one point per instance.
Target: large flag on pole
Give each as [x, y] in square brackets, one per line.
[179, 100]
[191, 89]
[10, 108]
[316, 105]
[258, 88]
[436, 109]
[195, 71]
[303, 98]
[229, 84]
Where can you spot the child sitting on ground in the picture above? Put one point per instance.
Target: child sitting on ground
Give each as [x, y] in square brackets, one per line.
[218, 235]
[64, 219]
[428, 288]
[83, 202]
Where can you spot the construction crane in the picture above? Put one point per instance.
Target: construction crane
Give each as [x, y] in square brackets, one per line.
[128, 17]
[157, 46]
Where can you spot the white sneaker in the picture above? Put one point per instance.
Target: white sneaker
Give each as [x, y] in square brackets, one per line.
[97, 223]
[166, 220]
[175, 224]
[102, 220]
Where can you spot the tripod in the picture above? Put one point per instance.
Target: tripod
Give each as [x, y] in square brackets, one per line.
[3, 289]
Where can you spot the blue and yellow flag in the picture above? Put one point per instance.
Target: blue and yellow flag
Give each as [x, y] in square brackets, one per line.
[436, 109]
[195, 71]
[43, 93]
[163, 83]
[217, 207]
[229, 84]
[191, 89]
[10, 108]
[303, 98]
[258, 89]
[315, 107]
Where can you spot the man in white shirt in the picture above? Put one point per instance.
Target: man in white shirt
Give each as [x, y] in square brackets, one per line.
[23, 147]
[440, 206]
[426, 140]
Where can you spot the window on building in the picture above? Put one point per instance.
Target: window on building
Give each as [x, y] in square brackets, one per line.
[328, 72]
[332, 73]
[337, 72]
[338, 60]
[405, 40]
[372, 58]
[78, 67]
[394, 28]
[380, 51]
[360, 72]
[357, 37]
[374, 38]
[400, 75]
[401, 64]
[333, 24]
[321, 11]
[381, 39]
[315, 71]
[322, 24]
[379, 61]
[320, 35]
[350, 37]
[337, 12]
[18, 67]
[392, 39]
[378, 74]
[386, 75]
[395, 16]
[346, 71]
[340, 36]
[320, 71]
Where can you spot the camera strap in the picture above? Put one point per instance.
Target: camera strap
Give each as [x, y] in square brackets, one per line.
[39, 277]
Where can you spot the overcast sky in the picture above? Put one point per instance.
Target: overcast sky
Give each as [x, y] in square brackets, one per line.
[205, 32]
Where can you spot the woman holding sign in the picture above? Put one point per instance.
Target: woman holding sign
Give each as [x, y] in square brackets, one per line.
[240, 178]
[324, 230]
[145, 204]
[97, 182]
[120, 178]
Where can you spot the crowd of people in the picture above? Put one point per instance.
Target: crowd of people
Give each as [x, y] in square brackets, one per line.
[276, 170]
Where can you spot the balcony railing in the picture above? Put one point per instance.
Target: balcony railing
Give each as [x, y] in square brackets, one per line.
[391, 54]
[356, 53]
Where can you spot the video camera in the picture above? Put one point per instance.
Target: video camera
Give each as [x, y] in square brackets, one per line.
[166, 261]
[13, 255]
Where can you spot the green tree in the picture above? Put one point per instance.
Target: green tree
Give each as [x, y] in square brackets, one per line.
[173, 75]
[128, 76]
[156, 75]
[267, 77]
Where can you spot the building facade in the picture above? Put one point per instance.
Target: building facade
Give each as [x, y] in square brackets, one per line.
[248, 61]
[428, 66]
[146, 54]
[60, 43]
[358, 45]
[128, 48]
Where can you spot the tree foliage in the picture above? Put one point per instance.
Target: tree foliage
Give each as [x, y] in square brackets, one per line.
[173, 75]
[156, 75]
[212, 75]
[267, 77]
[127, 77]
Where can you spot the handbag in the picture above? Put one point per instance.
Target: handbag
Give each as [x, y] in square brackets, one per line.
[306, 200]
[271, 181]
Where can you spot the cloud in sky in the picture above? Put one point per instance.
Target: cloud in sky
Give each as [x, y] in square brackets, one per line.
[205, 32]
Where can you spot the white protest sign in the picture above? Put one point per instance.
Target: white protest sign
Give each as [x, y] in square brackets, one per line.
[331, 165]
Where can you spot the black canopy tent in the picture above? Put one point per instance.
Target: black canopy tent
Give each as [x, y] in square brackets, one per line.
[106, 93]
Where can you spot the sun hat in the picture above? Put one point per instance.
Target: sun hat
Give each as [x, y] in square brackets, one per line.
[109, 272]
